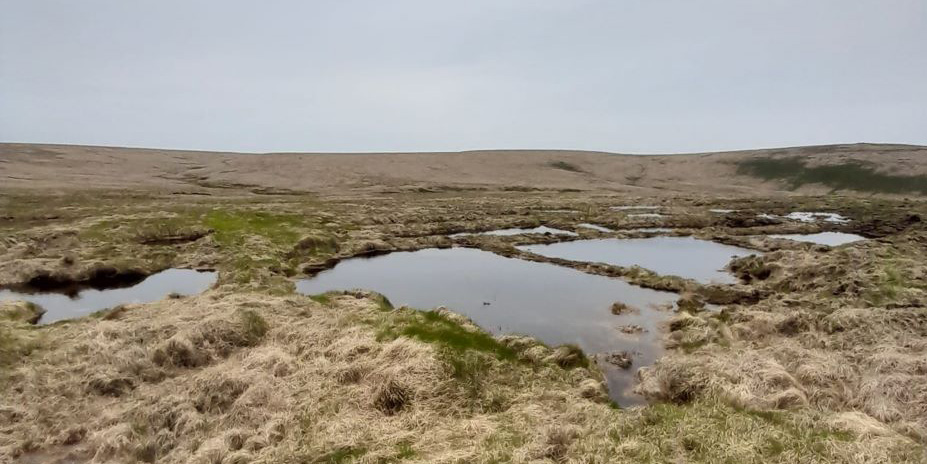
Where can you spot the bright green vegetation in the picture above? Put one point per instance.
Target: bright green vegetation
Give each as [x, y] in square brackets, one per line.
[854, 175]
[261, 241]
[434, 327]
[234, 227]
[471, 356]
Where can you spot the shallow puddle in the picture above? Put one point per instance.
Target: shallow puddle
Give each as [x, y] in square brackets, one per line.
[652, 229]
[805, 216]
[688, 257]
[518, 231]
[595, 227]
[809, 217]
[555, 304]
[59, 306]
[823, 238]
[646, 215]
[632, 208]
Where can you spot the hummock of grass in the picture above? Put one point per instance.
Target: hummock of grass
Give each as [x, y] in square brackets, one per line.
[250, 372]
[257, 378]
[436, 327]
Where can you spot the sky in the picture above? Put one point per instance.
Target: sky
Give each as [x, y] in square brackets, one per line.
[631, 76]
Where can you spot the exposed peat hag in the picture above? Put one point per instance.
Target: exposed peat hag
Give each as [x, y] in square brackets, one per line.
[687, 257]
[74, 301]
[98, 278]
[554, 304]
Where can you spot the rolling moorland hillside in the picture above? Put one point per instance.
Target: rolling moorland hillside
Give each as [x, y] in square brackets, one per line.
[859, 168]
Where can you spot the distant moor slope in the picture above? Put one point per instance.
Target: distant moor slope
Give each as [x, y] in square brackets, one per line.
[861, 168]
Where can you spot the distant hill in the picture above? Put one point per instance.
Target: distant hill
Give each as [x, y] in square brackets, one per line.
[861, 168]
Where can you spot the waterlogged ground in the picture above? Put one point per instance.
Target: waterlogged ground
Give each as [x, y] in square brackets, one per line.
[521, 231]
[804, 354]
[60, 305]
[686, 257]
[510, 296]
[823, 238]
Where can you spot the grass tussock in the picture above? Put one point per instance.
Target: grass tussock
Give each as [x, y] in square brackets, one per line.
[844, 335]
[168, 233]
[16, 343]
[438, 328]
[21, 311]
[213, 378]
[822, 363]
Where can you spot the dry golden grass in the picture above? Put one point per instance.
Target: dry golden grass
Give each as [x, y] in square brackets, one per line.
[831, 338]
[830, 368]
[236, 377]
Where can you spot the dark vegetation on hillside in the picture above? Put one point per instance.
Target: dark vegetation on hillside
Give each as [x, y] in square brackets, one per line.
[565, 166]
[853, 175]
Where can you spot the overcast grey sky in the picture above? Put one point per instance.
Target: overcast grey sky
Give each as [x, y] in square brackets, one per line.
[414, 75]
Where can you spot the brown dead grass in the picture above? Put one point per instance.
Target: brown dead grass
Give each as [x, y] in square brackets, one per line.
[201, 380]
[820, 342]
[828, 367]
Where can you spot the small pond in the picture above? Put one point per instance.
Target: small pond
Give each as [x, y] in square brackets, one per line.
[557, 305]
[823, 238]
[688, 257]
[518, 231]
[59, 306]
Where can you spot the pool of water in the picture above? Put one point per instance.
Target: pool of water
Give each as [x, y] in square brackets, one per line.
[518, 231]
[813, 216]
[633, 208]
[646, 215]
[652, 229]
[595, 227]
[555, 304]
[823, 238]
[59, 306]
[688, 257]
[809, 217]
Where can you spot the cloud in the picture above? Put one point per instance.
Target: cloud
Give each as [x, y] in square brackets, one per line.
[353, 75]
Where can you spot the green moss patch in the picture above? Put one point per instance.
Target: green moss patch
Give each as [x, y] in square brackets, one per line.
[434, 327]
